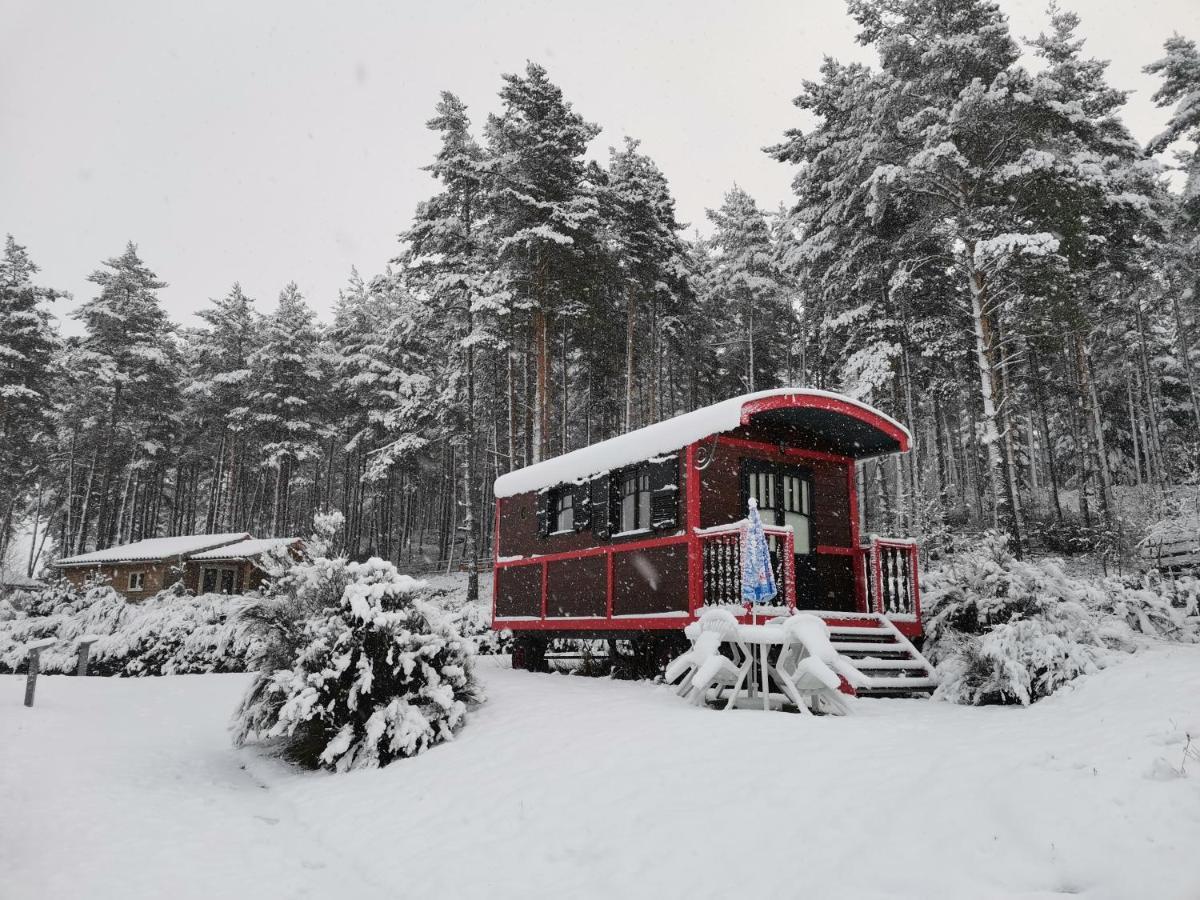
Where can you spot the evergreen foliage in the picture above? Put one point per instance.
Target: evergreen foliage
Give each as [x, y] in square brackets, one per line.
[380, 676]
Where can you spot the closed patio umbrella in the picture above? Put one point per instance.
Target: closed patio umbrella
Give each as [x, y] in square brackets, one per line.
[758, 579]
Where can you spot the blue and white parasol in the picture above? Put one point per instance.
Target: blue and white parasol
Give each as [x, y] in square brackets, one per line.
[758, 580]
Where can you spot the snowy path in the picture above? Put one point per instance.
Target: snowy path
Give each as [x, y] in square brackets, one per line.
[129, 788]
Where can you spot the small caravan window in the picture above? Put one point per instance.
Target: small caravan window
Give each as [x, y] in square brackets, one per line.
[635, 500]
[137, 581]
[563, 511]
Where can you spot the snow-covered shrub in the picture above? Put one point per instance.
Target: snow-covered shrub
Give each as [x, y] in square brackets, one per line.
[168, 634]
[379, 676]
[1152, 604]
[1019, 661]
[473, 619]
[1004, 630]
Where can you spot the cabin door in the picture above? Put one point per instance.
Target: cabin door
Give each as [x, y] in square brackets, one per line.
[784, 495]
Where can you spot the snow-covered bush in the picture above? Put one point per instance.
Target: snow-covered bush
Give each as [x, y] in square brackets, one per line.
[168, 634]
[380, 675]
[1004, 630]
[1152, 604]
[473, 620]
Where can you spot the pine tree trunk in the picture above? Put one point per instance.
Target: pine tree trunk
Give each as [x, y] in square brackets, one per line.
[541, 351]
[1039, 387]
[1185, 363]
[1002, 507]
[630, 335]
[471, 542]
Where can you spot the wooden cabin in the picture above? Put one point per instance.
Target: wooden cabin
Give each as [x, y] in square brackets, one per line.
[235, 568]
[637, 534]
[216, 563]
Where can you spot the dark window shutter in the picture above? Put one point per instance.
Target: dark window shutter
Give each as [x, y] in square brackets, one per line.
[583, 504]
[598, 489]
[543, 512]
[664, 492]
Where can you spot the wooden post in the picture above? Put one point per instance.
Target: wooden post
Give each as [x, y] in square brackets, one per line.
[85, 649]
[35, 651]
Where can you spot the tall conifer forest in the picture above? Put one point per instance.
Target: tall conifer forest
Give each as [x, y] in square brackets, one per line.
[975, 244]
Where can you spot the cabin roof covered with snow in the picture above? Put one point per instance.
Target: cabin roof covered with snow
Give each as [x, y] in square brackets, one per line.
[850, 427]
[247, 549]
[155, 548]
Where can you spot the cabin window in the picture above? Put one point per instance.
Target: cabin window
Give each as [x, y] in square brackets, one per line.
[635, 500]
[217, 581]
[563, 510]
[137, 581]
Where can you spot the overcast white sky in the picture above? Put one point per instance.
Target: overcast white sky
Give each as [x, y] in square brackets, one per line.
[267, 142]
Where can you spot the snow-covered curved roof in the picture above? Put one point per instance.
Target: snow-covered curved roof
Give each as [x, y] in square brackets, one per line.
[246, 549]
[155, 548]
[876, 434]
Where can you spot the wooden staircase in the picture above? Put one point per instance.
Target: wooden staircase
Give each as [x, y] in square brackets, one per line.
[892, 666]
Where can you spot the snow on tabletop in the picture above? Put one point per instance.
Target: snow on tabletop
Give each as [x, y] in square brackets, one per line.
[1078, 794]
[155, 548]
[654, 440]
[245, 549]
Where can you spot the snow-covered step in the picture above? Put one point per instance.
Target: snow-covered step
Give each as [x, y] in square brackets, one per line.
[875, 663]
[901, 682]
[859, 631]
[888, 663]
[880, 647]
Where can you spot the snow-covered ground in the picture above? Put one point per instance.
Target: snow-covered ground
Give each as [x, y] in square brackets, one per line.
[575, 787]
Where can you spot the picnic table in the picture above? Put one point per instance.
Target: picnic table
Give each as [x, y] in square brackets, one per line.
[792, 653]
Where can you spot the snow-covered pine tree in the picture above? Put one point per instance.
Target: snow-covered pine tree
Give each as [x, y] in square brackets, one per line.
[1105, 205]
[449, 258]
[281, 400]
[360, 395]
[378, 676]
[745, 276]
[217, 362]
[27, 346]
[543, 212]
[653, 264]
[122, 414]
[1179, 69]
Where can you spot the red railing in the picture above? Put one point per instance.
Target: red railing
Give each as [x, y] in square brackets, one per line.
[890, 572]
[721, 564]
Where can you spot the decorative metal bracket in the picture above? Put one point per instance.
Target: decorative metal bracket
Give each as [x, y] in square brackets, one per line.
[705, 455]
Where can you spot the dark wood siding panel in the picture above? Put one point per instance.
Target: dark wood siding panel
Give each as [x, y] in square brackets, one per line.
[826, 581]
[653, 580]
[721, 487]
[577, 587]
[519, 591]
[831, 505]
[518, 525]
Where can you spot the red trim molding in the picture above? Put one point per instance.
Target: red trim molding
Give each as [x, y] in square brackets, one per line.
[543, 558]
[830, 404]
[835, 551]
[692, 518]
[620, 623]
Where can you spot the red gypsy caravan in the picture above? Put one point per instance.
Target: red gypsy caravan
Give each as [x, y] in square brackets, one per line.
[634, 537]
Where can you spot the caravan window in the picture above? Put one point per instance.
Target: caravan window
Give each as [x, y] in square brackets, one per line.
[563, 510]
[635, 500]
